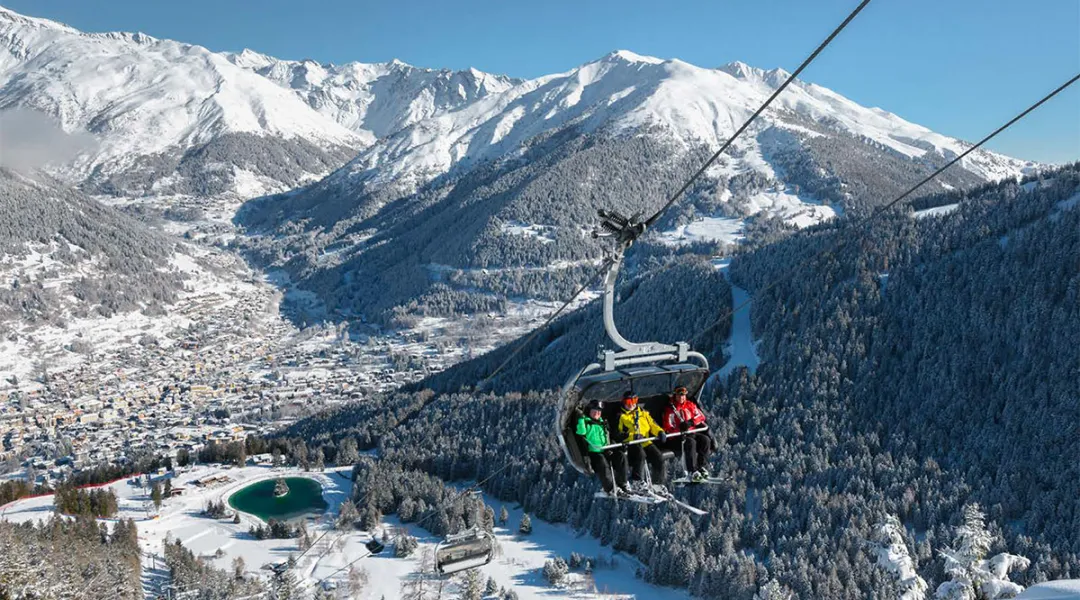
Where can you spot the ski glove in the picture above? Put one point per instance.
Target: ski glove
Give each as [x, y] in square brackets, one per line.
[662, 436]
[684, 426]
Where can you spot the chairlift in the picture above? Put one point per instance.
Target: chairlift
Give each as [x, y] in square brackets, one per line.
[374, 546]
[650, 370]
[466, 550]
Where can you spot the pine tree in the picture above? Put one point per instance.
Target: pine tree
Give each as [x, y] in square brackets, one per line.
[555, 570]
[893, 555]
[238, 567]
[525, 526]
[155, 495]
[504, 516]
[472, 588]
[358, 580]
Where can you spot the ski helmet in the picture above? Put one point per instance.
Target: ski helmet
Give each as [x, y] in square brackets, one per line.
[679, 392]
[629, 401]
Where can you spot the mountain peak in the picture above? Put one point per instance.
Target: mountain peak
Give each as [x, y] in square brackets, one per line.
[744, 72]
[12, 17]
[631, 57]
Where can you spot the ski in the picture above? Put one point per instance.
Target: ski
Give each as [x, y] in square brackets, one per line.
[707, 481]
[652, 500]
[639, 498]
[697, 511]
[671, 498]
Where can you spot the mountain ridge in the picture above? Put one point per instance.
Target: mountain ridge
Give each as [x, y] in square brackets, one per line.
[491, 184]
[168, 115]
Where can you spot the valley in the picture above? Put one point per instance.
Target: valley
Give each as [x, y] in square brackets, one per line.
[219, 268]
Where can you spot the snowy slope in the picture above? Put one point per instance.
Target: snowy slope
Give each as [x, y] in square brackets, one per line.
[1065, 589]
[626, 92]
[376, 99]
[143, 97]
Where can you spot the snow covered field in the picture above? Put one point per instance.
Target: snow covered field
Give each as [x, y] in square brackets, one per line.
[936, 211]
[517, 566]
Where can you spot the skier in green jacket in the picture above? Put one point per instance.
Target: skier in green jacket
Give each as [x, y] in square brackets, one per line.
[592, 428]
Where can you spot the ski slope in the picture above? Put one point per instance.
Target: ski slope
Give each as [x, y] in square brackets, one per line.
[741, 347]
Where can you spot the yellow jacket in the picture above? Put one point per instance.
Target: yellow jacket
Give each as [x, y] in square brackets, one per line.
[637, 424]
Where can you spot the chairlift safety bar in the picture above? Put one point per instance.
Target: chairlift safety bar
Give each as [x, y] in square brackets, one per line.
[650, 439]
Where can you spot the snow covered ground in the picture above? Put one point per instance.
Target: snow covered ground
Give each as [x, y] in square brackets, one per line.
[937, 211]
[217, 283]
[706, 229]
[521, 558]
[517, 566]
[1065, 589]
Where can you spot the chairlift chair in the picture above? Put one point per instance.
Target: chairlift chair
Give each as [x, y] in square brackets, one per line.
[374, 546]
[466, 550]
[650, 370]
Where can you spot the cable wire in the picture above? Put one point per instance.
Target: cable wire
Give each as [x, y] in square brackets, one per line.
[727, 144]
[432, 513]
[651, 220]
[858, 226]
[595, 276]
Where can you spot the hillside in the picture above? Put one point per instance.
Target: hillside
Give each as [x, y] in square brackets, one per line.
[945, 383]
[66, 255]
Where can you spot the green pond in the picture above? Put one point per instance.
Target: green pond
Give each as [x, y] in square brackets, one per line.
[304, 498]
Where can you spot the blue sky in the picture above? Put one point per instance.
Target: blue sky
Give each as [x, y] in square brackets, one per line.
[960, 67]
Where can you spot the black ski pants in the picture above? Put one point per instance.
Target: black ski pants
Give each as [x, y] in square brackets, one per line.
[639, 454]
[695, 449]
[603, 463]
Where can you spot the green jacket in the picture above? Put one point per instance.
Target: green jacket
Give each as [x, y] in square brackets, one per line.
[594, 432]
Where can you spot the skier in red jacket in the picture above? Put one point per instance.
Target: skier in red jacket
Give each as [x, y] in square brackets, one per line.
[682, 415]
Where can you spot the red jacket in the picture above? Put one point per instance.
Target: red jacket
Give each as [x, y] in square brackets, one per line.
[687, 411]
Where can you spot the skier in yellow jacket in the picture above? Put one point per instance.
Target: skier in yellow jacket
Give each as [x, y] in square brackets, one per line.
[636, 423]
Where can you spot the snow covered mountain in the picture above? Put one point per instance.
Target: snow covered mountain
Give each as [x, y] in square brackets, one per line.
[375, 100]
[168, 116]
[175, 118]
[624, 93]
[493, 183]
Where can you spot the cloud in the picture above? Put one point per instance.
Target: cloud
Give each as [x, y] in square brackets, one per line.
[30, 140]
